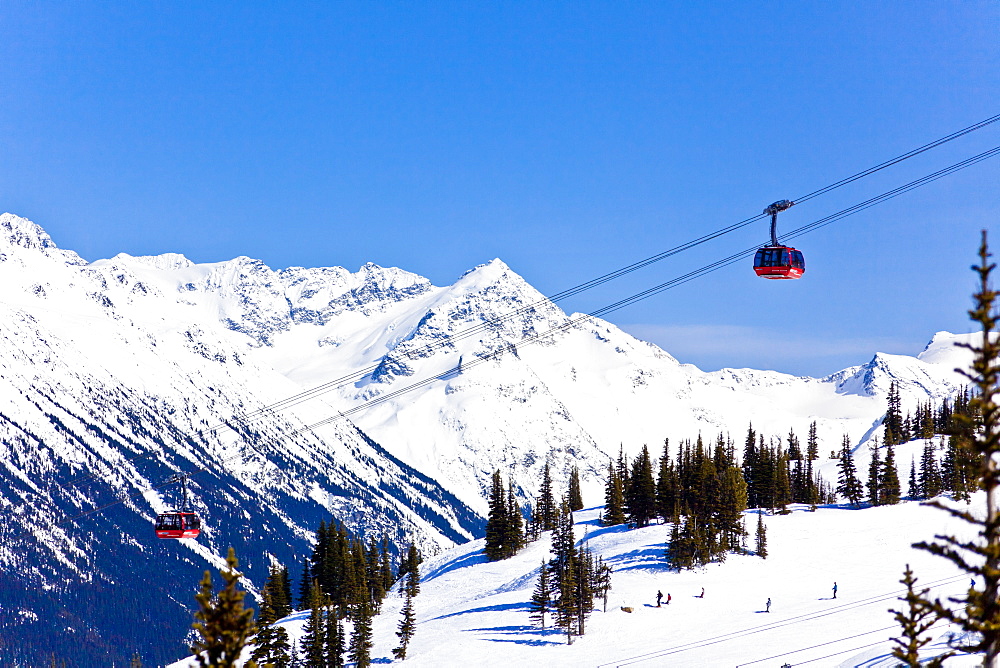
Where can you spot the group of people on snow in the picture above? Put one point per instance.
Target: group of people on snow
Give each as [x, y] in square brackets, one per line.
[767, 606]
[659, 597]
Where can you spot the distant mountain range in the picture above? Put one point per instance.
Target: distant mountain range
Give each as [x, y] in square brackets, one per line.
[120, 372]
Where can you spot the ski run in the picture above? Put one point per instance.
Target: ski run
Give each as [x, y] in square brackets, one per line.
[471, 612]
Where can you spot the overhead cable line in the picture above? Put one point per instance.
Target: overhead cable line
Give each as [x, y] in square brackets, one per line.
[899, 158]
[856, 649]
[600, 280]
[645, 294]
[838, 640]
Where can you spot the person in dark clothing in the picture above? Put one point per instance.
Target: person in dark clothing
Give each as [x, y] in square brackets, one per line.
[659, 597]
[835, 590]
[768, 605]
[702, 593]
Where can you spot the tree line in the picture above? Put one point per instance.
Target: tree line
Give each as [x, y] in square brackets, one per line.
[703, 490]
[956, 472]
[344, 581]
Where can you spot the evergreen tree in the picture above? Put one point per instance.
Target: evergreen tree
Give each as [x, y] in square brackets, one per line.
[567, 607]
[385, 565]
[334, 641]
[640, 502]
[688, 545]
[893, 422]
[794, 449]
[360, 647]
[497, 528]
[573, 574]
[541, 598]
[545, 506]
[271, 642]
[782, 483]
[761, 537]
[314, 632]
[411, 571]
[405, 630]
[584, 590]
[732, 501]
[277, 585]
[889, 479]
[575, 494]
[812, 444]
[305, 586]
[320, 562]
[223, 623]
[874, 477]
[602, 581]
[916, 620]
[979, 612]
[848, 483]
[623, 471]
[286, 594]
[930, 476]
[373, 574]
[358, 594]
[912, 486]
[614, 501]
[666, 485]
[750, 461]
[514, 530]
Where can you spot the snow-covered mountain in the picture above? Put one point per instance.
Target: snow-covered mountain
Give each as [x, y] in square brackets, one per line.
[119, 372]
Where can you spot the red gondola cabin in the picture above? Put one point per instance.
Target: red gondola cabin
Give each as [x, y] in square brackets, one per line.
[781, 262]
[177, 525]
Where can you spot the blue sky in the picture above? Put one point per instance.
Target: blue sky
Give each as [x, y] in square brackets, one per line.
[567, 138]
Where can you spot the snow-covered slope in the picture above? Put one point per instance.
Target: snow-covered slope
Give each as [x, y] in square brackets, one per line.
[118, 372]
[471, 612]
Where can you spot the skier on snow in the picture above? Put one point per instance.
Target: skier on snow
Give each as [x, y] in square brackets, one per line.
[659, 597]
[835, 590]
[768, 604]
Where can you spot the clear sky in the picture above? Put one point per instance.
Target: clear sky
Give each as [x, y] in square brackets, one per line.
[566, 138]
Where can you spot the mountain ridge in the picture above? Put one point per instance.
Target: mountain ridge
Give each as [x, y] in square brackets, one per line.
[149, 356]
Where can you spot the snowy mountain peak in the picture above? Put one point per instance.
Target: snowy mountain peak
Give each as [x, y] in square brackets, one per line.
[21, 233]
[945, 348]
[163, 262]
[489, 272]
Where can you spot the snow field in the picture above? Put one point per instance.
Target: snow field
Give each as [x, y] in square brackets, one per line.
[475, 613]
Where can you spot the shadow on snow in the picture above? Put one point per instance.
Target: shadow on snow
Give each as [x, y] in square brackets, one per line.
[462, 561]
[648, 558]
[500, 607]
[522, 630]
